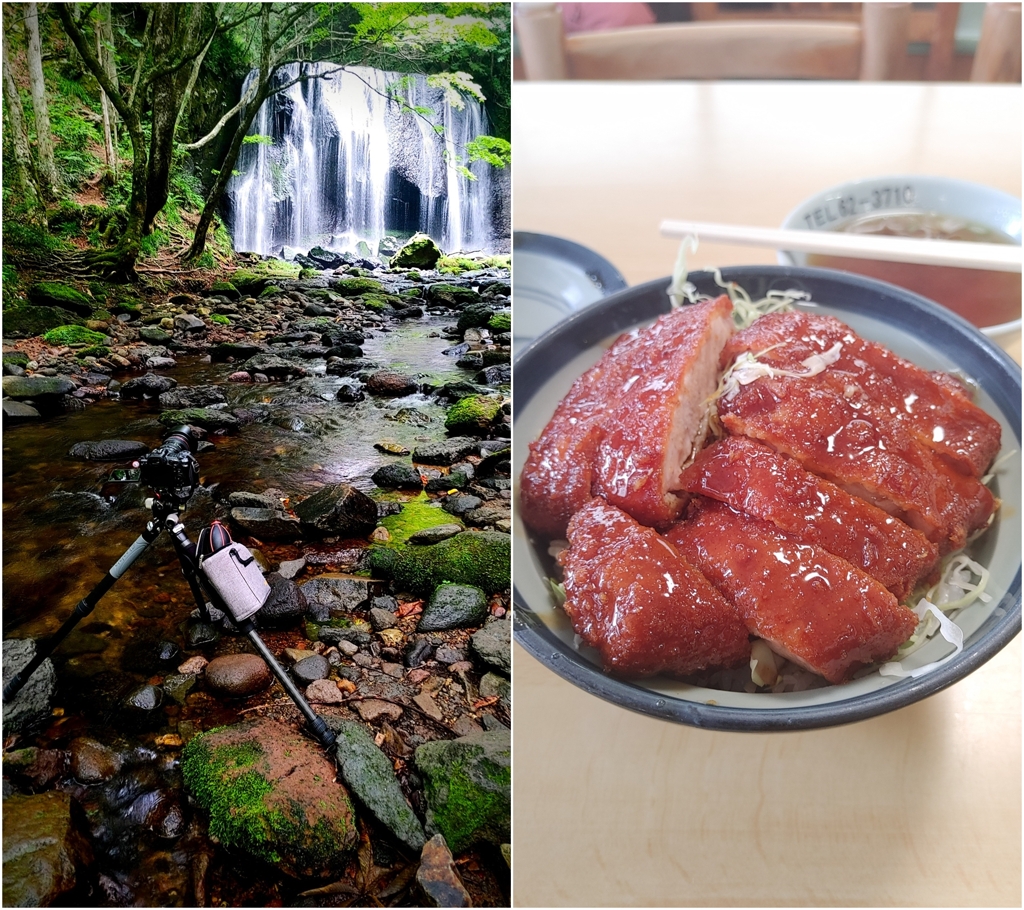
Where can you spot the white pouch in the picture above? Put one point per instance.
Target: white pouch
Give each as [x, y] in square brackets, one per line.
[236, 577]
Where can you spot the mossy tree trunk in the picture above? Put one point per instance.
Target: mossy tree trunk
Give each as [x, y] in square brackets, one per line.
[40, 108]
[26, 174]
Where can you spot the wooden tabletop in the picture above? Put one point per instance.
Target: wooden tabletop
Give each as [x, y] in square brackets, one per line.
[920, 807]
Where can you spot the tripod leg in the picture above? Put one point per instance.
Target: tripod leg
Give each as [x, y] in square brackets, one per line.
[83, 608]
[190, 568]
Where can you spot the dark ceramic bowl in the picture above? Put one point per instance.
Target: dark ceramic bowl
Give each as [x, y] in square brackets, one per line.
[915, 328]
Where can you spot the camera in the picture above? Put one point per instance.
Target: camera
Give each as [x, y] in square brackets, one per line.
[171, 469]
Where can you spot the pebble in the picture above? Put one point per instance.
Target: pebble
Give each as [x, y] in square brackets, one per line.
[92, 762]
[311, 668]
[371, 709]
[325, 692]
[194, 665]
[426, 703]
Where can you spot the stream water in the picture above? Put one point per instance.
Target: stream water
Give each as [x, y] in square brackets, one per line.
[61, 535]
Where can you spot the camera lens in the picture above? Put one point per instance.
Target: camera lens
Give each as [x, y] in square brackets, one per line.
[180, 439]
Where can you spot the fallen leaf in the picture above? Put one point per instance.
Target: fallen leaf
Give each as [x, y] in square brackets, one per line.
[485, 702]
[410, 607]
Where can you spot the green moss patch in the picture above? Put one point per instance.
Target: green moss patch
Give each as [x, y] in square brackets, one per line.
[57, 294]
[350, 286]
[500, 322]
[479, 558]
[416, 515]
[472, 413]
[73, 334]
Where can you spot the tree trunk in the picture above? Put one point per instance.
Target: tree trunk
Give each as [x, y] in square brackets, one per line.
[41, 110]
[104, 45]
[19, 135]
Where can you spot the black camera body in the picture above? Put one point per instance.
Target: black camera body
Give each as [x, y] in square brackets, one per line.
[171, 470]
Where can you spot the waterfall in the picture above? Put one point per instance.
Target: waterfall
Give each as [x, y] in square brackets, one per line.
[347, 166]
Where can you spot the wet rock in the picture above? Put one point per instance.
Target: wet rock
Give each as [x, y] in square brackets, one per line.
[148, 386]
[472, 415]
[345, 351]
[488, 514]
[373, 709]
[338, 509]
[155, 335]
[446, 452]
[350, 392]
[187, 324]
[324, 692]
[271, 792]
[474, 316]
[18, 410]
[435, 534]
[93, 762]
[238, 674]
[452, 296]
[381, 618]
[241, 350]
[338, 592]
[467, 785]
[449, 655]
[178, 685]
[200, 396]
[198, 634]
[498, 374]
[437, 877]
[311, 668]
[291, 567]
[466, 725]
[391, 384]
[108, 450]
[194, 665]
[418, 653]
[36, 386]
[207, 418]
[144, 699]
[32, 703]
[266, 524]
[453, 606]
[43, 853]
[491, 684]
[368, 773]
[286, 604]
[397, 477]
[272, 365]
[493, 644]
[461, 504]
[480, 558]
[336, 336]
[425, 702]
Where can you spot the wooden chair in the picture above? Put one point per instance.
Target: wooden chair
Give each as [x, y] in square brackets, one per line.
[728, 49]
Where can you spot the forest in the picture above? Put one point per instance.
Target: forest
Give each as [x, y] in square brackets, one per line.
[257, 295]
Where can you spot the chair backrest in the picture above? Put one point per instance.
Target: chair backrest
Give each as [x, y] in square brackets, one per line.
[780, 49]
[998, 56]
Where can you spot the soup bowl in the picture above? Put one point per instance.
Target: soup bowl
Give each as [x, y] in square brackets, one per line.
[915, 328]
[915, 205]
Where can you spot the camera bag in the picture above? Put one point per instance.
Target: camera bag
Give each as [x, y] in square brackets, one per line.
[232, 571]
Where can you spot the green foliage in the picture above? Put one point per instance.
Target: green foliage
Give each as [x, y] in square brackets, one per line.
[72, 335]
[153, 243]
[256, 139]
[495, 151]
[74, 137]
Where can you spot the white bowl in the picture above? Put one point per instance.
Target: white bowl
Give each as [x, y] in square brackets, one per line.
[909, 193]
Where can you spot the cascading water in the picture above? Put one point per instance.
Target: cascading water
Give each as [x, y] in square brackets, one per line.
[347, 165]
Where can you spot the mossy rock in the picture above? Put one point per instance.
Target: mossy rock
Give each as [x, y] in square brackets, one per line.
[416, 515]
[456, 265]
[376, 302]
[270, 290]
[468, 786]
[419, 252]
[475, 316]
[73, 334]
[98, 350]
[353, 286]
[471, 414]
[28, 321]
[58, 294]
[453, 296]
[207, 418]
[307, 273]
[18, 358]
[225, 289]
[500, 322]
[220, 319]
[271, 792]
[480, 558]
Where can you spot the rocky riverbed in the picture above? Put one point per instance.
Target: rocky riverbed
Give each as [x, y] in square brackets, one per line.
[354, 421]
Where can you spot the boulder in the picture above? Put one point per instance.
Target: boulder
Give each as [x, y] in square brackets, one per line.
[447, 452]
[148, 386]
[338, 592]
[479, 558]
[266, 524]
[467, 783]
[208, 418]
[108, 450]
[43, 852]
[493, 644]
[419, 252]
[453, 606]
[36, 386]
[391, 384]
[197, 396]
[32, 703]
[271, 792]
[472, 414]
[286, 603]
[338, 509]
[63, 296]
[397, 477]
[368, 773]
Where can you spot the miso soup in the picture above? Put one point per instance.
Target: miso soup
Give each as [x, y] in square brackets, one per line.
[983, 297]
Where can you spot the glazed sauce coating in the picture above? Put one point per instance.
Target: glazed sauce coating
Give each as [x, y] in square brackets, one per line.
[812, 607]
[860, 450]
[626, 424]
[758, 481]
[633, 597]
[935, 409]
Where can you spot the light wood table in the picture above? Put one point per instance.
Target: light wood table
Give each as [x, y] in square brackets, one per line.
[920, 807]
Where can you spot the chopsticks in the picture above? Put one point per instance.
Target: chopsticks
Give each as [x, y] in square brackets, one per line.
[995, 257]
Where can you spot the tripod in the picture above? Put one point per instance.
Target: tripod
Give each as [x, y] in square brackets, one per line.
[165, 517]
